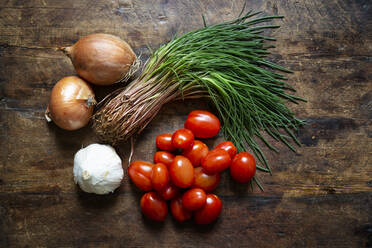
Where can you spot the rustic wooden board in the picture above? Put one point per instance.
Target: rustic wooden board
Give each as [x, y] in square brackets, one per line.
[319, 197]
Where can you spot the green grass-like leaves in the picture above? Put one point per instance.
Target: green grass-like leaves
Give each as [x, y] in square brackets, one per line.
[227, 63]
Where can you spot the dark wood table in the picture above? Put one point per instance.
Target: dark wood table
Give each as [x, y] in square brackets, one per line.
[319, 197]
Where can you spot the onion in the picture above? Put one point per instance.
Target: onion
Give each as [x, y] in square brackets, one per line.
[102, 59]
[71, 103]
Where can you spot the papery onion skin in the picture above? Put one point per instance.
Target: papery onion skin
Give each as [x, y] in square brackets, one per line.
[71, 103]
[101, 59]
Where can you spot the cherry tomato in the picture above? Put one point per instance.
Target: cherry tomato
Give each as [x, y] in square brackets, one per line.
[164, 142]
[159, 176]
[181, 172]
[154, 207]
[163, 157]
[243, 167]
[216, 161]
[178, 211]
[140, 174]
[169, 192]
[203, 124]
[229, 147]
[194, 199]
[182, 138]
[196, 152]
[210, 211]
[204, 181]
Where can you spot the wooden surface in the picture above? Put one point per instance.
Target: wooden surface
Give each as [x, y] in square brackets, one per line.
[320, 197]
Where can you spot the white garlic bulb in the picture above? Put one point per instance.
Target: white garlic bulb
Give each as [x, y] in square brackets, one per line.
[98, 169]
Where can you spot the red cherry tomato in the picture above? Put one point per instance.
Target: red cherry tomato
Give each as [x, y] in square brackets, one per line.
[163, 157]
[203, 124]
[229, 147]
[182, 138]
[216, 161]
[181, 172]
[178, 211]
[210, 211]
[243, 167]
[154, 207]
[159, 176]
[169, 192]
[164, 142]
[204, 181]
[196, 152]
[140, 174]
[194, 199]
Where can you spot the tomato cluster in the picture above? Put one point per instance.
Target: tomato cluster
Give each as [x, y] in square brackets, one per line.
[185, 172]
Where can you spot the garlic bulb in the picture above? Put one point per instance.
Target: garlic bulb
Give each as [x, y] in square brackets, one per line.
[98, 169]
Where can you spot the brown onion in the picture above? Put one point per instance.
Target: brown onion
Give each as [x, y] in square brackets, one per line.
[71, 103]
[102, 59]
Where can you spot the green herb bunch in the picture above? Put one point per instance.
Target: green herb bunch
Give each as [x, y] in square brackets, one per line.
[225, 63]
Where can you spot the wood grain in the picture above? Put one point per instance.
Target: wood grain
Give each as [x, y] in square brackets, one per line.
[320, 196]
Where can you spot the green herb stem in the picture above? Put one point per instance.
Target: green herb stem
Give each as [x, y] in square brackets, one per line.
[226, 63]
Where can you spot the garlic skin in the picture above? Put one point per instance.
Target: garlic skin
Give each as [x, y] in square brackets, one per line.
[98, 169]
